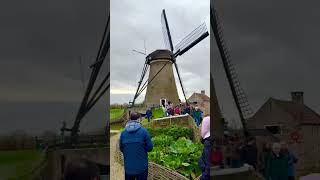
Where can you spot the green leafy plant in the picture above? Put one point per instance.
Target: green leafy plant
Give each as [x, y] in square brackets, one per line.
[174, 131]
[162, 140]
[174, 150]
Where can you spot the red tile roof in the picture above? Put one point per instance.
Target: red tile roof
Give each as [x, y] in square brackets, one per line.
[300, 112]
[202, 96]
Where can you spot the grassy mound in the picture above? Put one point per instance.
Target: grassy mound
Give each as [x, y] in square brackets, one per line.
[157, 113]
[116, 114]
[15, 164]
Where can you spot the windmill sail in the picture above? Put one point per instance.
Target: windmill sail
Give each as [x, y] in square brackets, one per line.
[89, 99]
[191, 40]
[238, 93]
[166, 31]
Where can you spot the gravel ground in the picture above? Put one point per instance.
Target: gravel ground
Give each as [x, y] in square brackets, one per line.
[116, 170]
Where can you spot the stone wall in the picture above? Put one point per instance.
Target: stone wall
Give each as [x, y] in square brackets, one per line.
[55, 159]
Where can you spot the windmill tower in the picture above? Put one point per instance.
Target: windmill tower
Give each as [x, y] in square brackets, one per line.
[161, 86]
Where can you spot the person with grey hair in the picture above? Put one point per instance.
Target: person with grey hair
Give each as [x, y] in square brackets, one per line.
[276, 164]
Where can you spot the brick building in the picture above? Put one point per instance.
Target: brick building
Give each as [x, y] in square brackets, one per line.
[202, 100]
[293, 122]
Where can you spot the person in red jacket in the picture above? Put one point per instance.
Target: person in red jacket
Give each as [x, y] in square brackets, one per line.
[216, 157]
[177, 110]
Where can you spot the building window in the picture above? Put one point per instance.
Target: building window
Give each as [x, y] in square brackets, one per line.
[274, 129]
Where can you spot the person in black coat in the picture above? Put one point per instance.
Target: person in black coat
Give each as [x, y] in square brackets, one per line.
[249, 153]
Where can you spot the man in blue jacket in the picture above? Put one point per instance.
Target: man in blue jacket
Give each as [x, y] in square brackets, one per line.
[148, 114]
[135, 143]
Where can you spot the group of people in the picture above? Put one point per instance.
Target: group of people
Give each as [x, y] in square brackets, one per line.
[275, 162]
[194, 111]
[278, 162]
[135, 143]
[171, 110]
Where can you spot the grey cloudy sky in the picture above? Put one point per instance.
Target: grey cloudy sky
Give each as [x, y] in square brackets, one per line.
[40, 44]
[274, 45]
[132, 22]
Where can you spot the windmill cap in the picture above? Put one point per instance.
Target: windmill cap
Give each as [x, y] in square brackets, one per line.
[160, 54]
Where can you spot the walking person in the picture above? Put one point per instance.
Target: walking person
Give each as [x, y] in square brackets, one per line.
[292, 159]
[170, 110]
[187, 109]
[266, 151]
[197, 115]
[250, 153]
[149, 114]
[204, 161]
[216, 157]
[135, 143]
[177, 110]
[276, 164]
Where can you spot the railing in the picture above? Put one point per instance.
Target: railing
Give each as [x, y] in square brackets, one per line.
[83, 140]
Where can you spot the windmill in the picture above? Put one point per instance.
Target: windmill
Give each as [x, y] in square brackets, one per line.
[90, 98]
[238, 93]
[161, 84]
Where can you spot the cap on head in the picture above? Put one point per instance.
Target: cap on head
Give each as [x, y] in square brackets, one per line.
[134, 116]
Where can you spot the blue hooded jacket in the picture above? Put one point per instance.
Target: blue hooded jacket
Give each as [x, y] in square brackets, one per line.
[135, 143]
[292, 159]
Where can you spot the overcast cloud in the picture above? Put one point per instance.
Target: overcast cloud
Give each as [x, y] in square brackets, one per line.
[40, 45]
[132, 22]
[274, 45]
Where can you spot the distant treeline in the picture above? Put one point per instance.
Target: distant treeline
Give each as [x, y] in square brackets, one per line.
[118, 106]
[17, 142]
[20, 140]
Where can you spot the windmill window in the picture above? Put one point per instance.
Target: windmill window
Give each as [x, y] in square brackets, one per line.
[274, 129]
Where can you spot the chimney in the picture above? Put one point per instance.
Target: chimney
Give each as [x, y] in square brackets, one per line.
[297, 97]
[203, 92]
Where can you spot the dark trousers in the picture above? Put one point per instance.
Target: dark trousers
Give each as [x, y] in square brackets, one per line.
[290, 177]
[142, 176]
[204, 161]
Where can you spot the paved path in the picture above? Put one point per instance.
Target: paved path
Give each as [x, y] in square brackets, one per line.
[116, 170]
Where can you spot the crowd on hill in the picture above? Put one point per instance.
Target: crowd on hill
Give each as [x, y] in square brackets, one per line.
[170, 110]
[275, 162]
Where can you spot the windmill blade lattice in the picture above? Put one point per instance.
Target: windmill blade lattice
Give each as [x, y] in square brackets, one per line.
[238, 93]
[191, 39]
[89, 99]
[166, 31]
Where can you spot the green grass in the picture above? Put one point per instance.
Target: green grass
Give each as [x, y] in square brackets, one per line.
[157, 113]
[14, 164]
[115, 114]
[115, 127]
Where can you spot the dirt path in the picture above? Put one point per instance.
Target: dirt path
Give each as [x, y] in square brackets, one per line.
[116, 170]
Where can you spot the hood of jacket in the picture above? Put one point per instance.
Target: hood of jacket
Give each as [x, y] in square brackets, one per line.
[133, 126]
